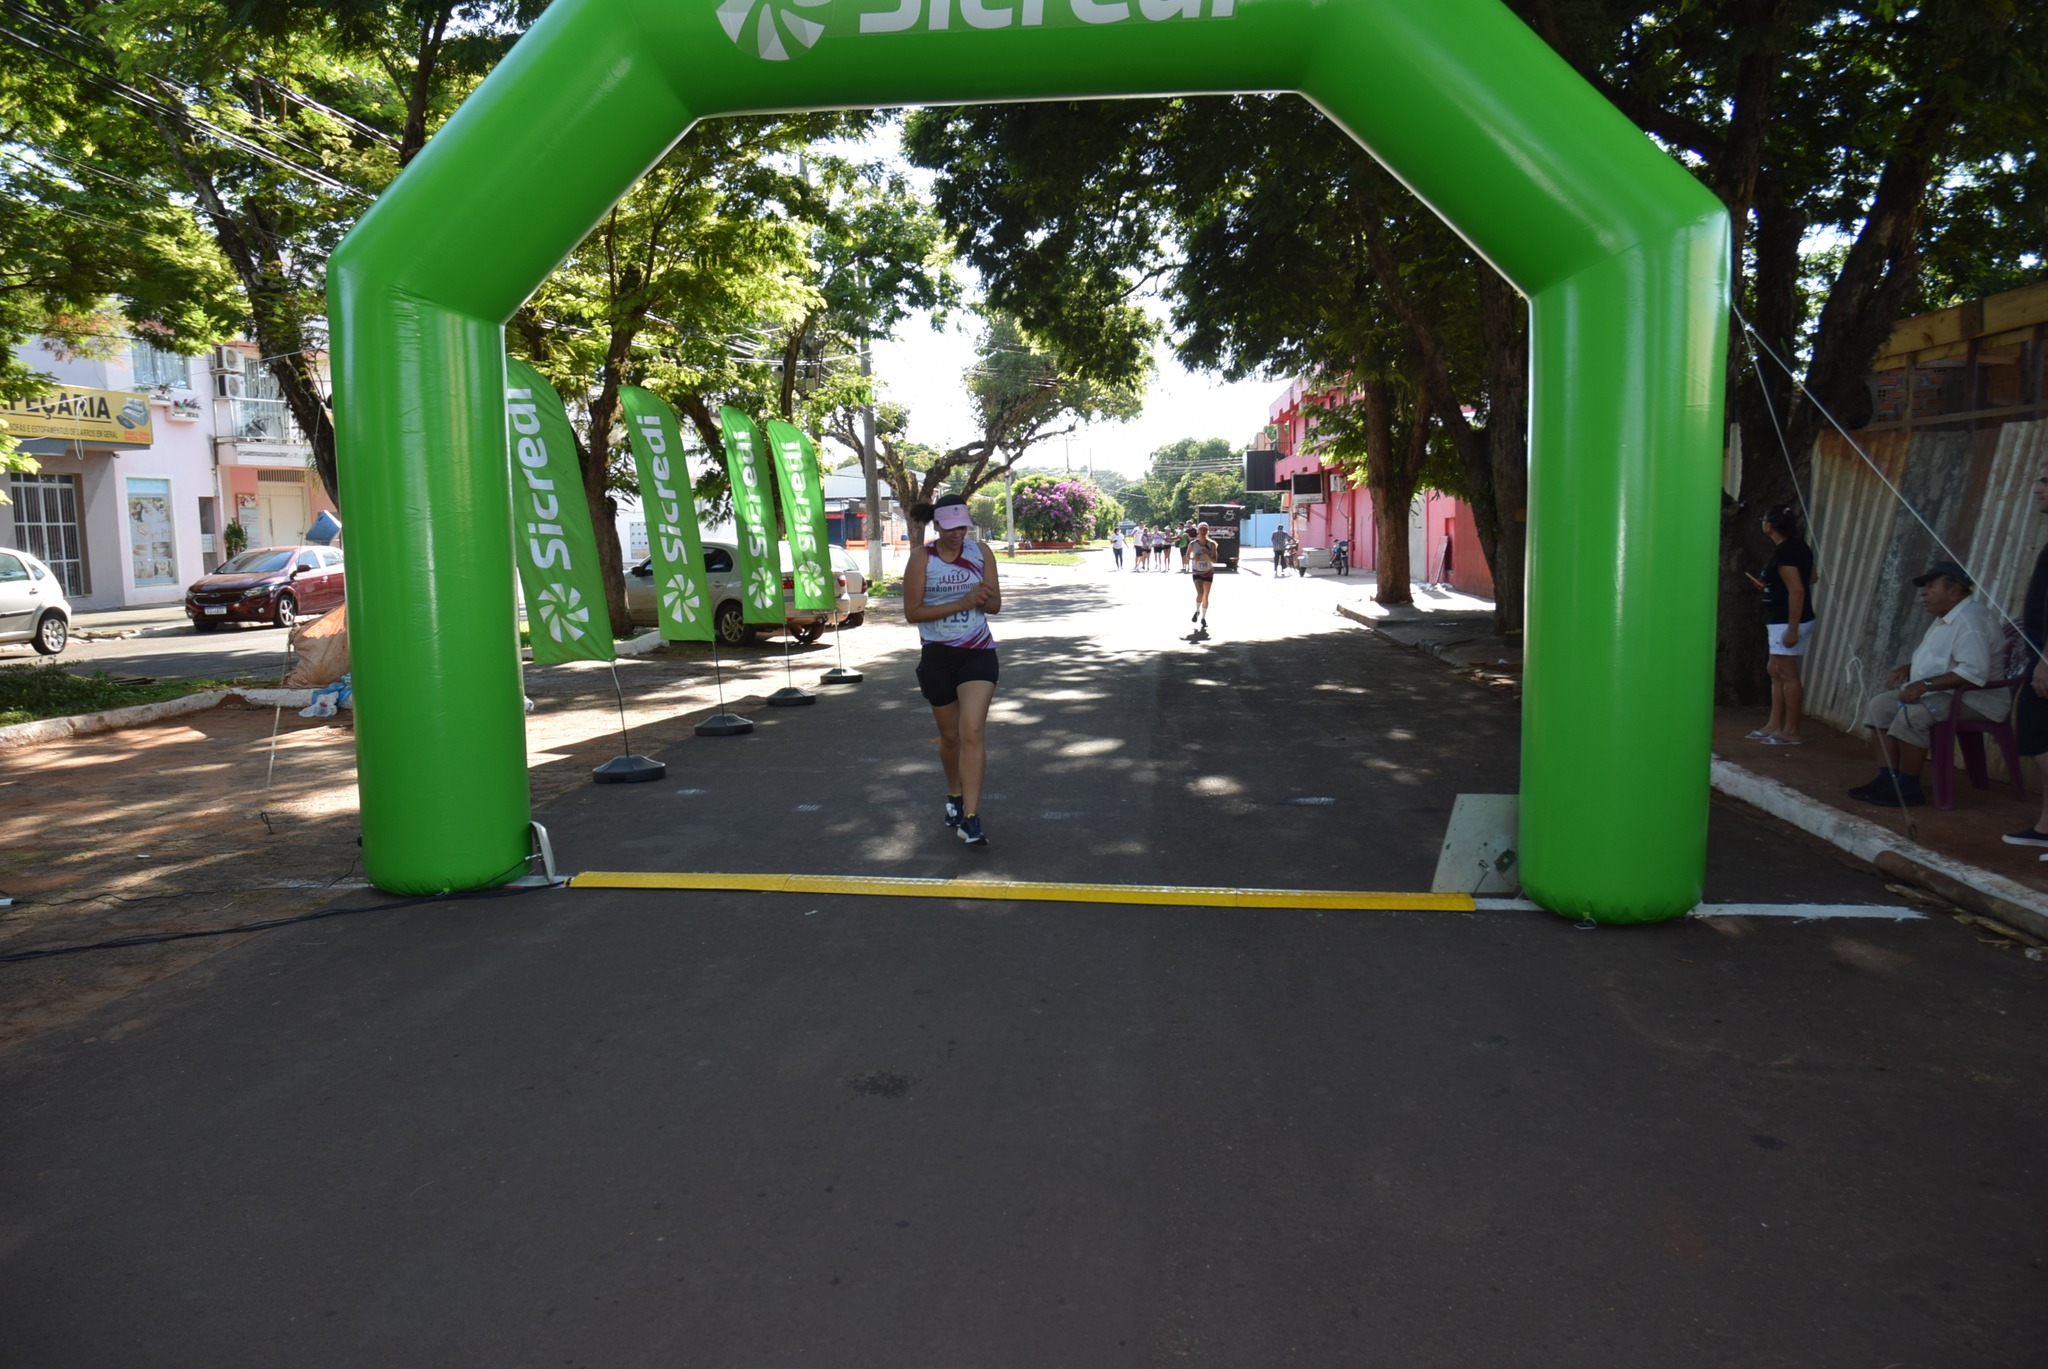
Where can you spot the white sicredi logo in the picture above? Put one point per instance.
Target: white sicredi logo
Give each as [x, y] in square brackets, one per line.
[774, 24]
[778, 30]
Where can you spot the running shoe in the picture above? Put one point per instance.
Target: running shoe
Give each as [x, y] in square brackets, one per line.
[970, 830]
[953, 805]
[2030, 837]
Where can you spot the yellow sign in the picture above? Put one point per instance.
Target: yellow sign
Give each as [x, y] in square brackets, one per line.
[73, 412]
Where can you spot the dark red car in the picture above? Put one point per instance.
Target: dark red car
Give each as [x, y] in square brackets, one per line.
[267, 585]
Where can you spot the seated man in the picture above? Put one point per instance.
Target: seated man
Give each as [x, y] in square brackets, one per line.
[1956, 651]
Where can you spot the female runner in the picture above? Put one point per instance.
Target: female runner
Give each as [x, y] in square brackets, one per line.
[950, 590]
[1202, 563]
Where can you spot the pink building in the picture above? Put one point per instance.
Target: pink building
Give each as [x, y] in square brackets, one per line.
[1443, 542]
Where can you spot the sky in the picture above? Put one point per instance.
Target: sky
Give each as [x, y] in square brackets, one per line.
[921, 369]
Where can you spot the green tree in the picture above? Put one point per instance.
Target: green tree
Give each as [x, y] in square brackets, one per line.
[708, 246]
[1283, 248]
[1022, 397]
[268, 126]
[1877, 159]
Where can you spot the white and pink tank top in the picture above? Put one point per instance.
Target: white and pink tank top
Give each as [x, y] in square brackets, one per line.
[945, 582]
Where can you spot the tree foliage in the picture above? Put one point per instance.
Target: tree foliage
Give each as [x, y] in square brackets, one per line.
[1051, 508]
[1022, 397]
[1282, 247]
[261, 128]
[1877, 158]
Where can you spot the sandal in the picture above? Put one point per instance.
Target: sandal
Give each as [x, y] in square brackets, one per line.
[1757, 736]
[1775, 740]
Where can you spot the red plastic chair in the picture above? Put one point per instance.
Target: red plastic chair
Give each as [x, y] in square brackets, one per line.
[1959, 731]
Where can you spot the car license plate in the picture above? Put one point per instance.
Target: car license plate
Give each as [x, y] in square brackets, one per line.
[216, 608]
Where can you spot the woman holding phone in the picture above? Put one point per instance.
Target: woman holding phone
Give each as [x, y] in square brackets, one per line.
[1787, 585]
[950, 591]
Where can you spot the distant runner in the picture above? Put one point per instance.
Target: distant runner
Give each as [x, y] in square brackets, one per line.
[1202, 565]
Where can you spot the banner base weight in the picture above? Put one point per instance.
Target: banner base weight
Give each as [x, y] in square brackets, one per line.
[628, 770]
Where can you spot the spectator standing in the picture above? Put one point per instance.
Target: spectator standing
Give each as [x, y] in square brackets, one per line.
[1956, 651]
[1787, 585]
[2030, 717]
[1280, 540]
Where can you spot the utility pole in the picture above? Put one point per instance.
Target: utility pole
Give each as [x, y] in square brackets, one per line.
[1010, 509]
[868, 465]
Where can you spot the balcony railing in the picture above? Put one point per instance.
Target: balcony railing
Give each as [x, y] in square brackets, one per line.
[265, 421]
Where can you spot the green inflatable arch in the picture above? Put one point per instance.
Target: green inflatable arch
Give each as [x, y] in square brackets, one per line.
[1622, 254]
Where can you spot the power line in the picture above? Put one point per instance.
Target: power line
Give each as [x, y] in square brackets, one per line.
[149, 104]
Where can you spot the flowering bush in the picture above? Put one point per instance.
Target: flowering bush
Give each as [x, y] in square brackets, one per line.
[1050, 509]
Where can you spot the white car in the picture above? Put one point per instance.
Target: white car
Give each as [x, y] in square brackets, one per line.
[853, 587]
[728, 614]
[32, 604]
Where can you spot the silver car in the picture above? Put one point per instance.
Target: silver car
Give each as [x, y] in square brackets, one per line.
[32, 604]
[728, 614]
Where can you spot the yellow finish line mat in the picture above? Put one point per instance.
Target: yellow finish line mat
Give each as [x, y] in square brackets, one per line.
[1032, 890]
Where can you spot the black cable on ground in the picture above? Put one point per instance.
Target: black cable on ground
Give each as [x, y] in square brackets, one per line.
[157, 938]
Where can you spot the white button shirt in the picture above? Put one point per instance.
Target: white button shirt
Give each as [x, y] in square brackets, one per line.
[1960, 641]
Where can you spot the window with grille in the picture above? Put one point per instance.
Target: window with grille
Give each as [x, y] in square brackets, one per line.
[46, 521]
[154, 366]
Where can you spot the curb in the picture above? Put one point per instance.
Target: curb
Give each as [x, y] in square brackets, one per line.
[20, 735]
[1980, 891]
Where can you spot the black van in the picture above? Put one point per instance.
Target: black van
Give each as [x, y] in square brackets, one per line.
[1222, 520]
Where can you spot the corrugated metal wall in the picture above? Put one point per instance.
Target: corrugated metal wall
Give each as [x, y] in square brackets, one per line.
[1975, 487]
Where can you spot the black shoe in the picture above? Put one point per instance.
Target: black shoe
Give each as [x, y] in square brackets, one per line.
[1195, 617]
[954, 804]
[970, 830]
[2030, 837]
[1891, 792]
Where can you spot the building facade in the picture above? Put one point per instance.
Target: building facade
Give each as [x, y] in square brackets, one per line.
[143, 456]
[1323, 505]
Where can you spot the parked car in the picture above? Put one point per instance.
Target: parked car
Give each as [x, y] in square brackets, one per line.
[33, 608]
[853, 587]
[728, 613]
[268, 585]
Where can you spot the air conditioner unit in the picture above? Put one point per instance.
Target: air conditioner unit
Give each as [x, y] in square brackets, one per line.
[229, 366]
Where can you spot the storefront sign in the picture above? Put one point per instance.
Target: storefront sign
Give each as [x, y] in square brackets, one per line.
[104, 418]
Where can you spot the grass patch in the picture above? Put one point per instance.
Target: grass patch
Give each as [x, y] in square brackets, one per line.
[32, 692]
[1038, 558]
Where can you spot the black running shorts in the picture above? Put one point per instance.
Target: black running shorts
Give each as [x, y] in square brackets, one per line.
[942, 668]
[2030, 721]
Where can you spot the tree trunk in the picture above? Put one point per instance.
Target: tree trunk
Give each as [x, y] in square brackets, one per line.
[1391, 477]
[1504, 337]
[596, 462]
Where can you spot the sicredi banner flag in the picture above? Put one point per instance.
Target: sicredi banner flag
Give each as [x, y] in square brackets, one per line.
[566, 617]
[674, 544]
[747, 467]
[803, 510]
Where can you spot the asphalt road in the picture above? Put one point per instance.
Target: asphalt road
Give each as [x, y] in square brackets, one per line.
[580, 1127]
[231, 653]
